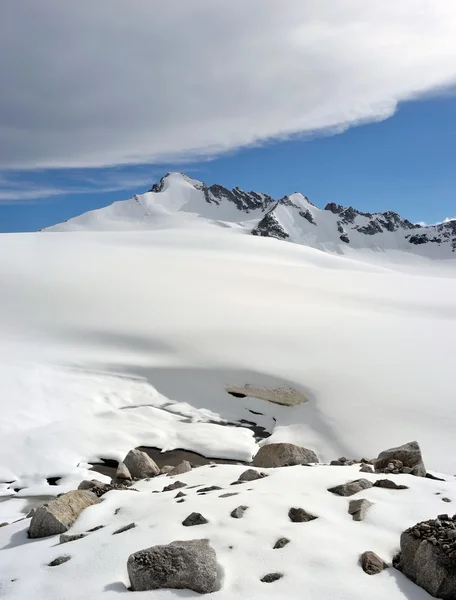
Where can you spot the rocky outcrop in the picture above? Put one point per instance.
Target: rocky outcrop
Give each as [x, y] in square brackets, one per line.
[352, 487]
[140, 464]
[283, 455]
[190, 565]
[60, 514]
[428, 556]
[403, 459]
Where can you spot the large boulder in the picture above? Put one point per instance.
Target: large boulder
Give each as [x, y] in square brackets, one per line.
[183, 467]
[60, 514]
[140, 465]
[403, 459]
[283, 455]
[190, 565]
[428, 556]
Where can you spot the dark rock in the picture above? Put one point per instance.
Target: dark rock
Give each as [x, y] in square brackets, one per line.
[124, 528]
[229, 494]
[358, 508]
[389, 485]
[65, 537]
[434, 477]
[194, 519]
[238, 512]
[190, 565]
[95, 529]
[180, 500]
[409, 455]
[174, 486]
[212, 488]
[251, 475]
[166, 469]
[140, 464]
[281, 542]
[283, 455]
[299, 515]
[59, 561]
[445, 499]
[180, 495]
[372, 563]
[352, 487]
[271, 577]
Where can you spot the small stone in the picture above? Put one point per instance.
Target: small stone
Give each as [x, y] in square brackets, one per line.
[180, 501]
[281, 542]
[371, 563]
[389, 485]
[124, 528]
[229, 494]
[194, 519]
[445, 499]
[4, 524]
[174, 486]
[251, 475]
[238, 512]
[59, 561]
[212, 488]
[140, 464]
[65, 537]
[366, 469]
[358, 508]
[271, 577]
[183, 467]
[299, 515]
[352, 487]
[180, 495]
[95, 529]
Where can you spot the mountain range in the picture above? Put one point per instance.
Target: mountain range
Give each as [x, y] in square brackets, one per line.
[178, 200]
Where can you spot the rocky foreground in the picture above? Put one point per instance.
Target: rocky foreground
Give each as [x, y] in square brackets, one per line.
[284, 523]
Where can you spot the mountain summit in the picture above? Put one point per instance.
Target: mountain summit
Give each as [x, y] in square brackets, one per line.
[180, 201]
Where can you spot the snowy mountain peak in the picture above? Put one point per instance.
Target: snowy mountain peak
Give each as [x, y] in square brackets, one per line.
[179, 201]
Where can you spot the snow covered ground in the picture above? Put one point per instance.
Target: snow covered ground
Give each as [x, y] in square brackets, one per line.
[116, 339]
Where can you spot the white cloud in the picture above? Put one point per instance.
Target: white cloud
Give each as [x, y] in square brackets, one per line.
[108, 82]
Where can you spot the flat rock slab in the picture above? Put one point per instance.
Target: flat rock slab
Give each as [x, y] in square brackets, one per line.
[271, 577]
[299, 515]
[190, 565]
[283, 455]
[59, 515]
[59, 561]
[351, 488]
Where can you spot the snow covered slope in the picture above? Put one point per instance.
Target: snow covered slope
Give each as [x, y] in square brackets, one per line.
[177, 200]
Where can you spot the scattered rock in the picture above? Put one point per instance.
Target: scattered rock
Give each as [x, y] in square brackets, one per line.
[194, 519]
[358, 508]
[60, 514]
[99, 488]
[283, 455]
[408, 455]
[352, 487]
[251, 475]
[180, 495]
[281, 542]
[434, 477]
[174, 486]
[65, 537]
[140, 464]
[166, 469]
[184, 467]
[122, 473]
[4, 524]
[299, 515]
[212, 488]
[229, 494]
[238, 512]
[372, 564]
[188, 565]
[180, 500]
[366, 469]
[59, 561]
[95, 529]
[389, 485]
[125, 528]
[445, 499]
[342, 462]
[271, 577]
[428, 556]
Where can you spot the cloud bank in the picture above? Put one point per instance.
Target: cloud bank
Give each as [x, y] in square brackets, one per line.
[91, 84]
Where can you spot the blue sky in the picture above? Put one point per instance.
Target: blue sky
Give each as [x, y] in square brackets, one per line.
[405, 163]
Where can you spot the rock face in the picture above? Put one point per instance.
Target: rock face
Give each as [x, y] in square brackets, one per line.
[140, 464]
[428, 556]
[371, 563]
[358, 508]
[299, 515]
[403, 459]
[59, 515]
[283, 455]
[184, 467]
[352, 487]
[190, 565]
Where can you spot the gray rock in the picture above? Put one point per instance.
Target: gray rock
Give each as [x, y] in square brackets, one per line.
[124, 528]
[190, 565]
[184, 467]
[389, 485]
[123, 473]
[166, 469]
[283, 455]
[30, 514]
[174, 486]
[352, 487]
[180, 495]
[251, 475]
[66, 537]
[4, 524]
[238, 512]
[358, 508]
[140, 464]
[445, 499]
[211, 488]
[271, 577]
[60, 514]
[194, 519]
[372, 564]
[99, 488]
[428, 565]
[59, 561]
[281, 543]
[299, 515]
[409, 455]
[228, 495]
[366, 469]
